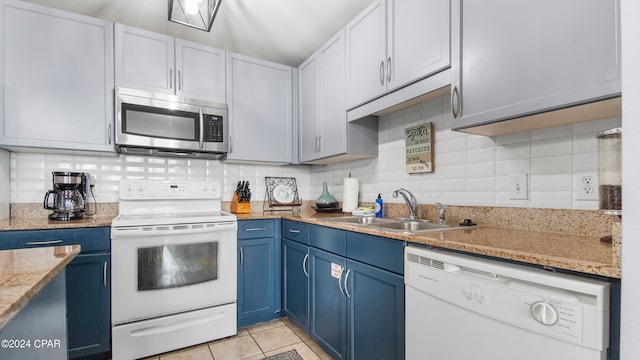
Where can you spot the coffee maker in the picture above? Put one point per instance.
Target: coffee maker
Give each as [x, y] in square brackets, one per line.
[69, 195]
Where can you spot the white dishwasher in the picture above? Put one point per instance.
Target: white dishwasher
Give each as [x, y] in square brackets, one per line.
[463, 307]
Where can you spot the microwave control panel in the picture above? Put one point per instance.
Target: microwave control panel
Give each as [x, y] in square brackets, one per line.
[213, 129]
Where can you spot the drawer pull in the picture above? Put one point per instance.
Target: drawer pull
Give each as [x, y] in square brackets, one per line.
[294, 231]
[50, 242]
[256, 229]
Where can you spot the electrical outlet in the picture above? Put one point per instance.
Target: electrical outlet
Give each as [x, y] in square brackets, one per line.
[518, 187]
[587, 186]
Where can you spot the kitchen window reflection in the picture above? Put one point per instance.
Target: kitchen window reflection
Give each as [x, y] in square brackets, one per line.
[169, 266]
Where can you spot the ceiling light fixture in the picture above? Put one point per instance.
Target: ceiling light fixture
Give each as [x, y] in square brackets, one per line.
[198, 14]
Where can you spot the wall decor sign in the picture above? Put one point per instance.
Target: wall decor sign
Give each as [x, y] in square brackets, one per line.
[419, 148]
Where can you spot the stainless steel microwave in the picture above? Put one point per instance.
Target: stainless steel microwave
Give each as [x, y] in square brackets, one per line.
[168, 125]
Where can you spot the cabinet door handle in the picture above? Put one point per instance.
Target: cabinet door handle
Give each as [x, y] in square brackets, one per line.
[50, 242]
[455, 102]
[382, 73]
[104, 274]
[109, 134]
[389, 69]
[304, 265]
[230, 144]
[241, 257]
[340, 283]
[346, 278]
[294, 231]
[320, 143]
[256, 229]
[170, 78]
[179, 80]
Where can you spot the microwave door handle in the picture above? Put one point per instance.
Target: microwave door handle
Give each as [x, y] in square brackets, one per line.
[201, 128]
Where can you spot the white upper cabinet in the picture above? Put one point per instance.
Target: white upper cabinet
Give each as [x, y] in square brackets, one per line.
[517, 58]
[57, 79]
[325, 135]
[160, 63]
[260, 99]
[393, 43]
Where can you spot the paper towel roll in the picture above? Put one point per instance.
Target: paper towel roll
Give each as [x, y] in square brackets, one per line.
[350, 194]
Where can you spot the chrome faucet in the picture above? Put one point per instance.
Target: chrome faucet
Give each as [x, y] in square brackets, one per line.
[411, 201]
[441, 215]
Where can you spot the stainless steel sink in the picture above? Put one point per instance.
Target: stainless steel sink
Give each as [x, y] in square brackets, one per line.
[412, 226]
[405, 226]
[360, 220]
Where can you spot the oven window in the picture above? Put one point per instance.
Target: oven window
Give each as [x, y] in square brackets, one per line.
[169, 266]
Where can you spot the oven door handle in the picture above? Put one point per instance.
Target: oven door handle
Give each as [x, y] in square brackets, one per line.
[178, 229]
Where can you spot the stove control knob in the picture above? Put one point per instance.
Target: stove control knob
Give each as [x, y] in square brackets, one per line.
[544, 313]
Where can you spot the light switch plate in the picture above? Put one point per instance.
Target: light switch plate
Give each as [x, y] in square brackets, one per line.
[518, 186]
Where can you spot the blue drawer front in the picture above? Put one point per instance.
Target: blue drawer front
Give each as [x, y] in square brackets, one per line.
[254, 229]
[329, 239]
[89, 239]
[296, 231]
[377, 251]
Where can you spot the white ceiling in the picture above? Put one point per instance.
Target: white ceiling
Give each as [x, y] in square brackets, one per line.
[283, 31]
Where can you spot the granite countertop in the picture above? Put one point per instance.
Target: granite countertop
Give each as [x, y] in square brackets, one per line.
[580, 253]
[44, 223]
[25, 272]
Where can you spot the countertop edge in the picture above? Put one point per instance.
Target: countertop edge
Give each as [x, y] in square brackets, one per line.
[17, 303]
[436, 239]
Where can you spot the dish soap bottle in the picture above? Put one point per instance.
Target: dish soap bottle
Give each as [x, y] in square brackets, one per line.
[379, 206]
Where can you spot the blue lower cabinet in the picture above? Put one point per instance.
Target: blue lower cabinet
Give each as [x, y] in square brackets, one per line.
[328, 303]
[355, 304]
[375, 312]
[88, 283]
[295, 283]
[89, 305]
[258, 271]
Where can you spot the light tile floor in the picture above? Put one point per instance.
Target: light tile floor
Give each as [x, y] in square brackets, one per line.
[253, 343]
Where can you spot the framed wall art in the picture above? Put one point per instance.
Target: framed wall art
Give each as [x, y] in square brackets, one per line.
[419, 148]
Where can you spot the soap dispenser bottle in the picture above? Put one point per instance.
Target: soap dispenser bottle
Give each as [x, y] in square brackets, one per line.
[379, 206]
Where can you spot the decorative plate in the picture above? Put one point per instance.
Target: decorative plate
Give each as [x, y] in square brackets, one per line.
[283, 194]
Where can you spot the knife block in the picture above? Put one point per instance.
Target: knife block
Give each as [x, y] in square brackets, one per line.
[239, 207]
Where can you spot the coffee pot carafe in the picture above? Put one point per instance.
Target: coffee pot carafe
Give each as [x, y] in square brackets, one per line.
[69, 195]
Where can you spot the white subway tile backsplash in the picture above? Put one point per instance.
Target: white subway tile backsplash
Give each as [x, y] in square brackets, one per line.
[469, 169]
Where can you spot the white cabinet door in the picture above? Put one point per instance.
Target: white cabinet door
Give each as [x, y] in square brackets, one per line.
[144, 60]
[394, 43]
[309, 108]
[366, 54]
[200, 71]
[333, 112]
[517, 58]
[57, 79]
[260, 99]
[419, 40]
